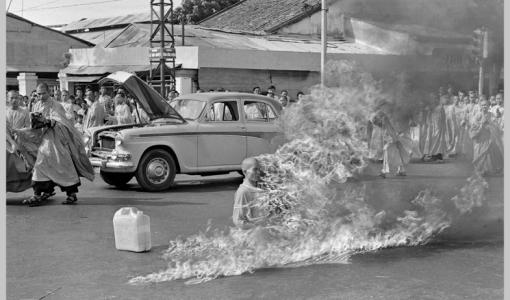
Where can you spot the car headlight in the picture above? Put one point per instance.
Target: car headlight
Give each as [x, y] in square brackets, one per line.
[119, 138]
[86, 138]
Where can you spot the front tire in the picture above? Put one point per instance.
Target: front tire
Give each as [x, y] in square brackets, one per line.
[156, 171]
[119, 180]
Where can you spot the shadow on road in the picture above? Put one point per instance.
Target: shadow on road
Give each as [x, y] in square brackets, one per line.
[109, 201]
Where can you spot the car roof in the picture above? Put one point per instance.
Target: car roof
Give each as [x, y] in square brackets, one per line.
[210, 96]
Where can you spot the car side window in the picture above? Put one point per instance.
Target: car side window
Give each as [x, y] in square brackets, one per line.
[258, 111]
[222, 111]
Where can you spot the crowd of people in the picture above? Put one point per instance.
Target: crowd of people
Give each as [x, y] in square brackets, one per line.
[284, 97]
[83, 110]
[452, 125]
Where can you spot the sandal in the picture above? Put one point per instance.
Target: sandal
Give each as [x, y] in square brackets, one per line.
[46, 196]
[33, 201]
[71, 199]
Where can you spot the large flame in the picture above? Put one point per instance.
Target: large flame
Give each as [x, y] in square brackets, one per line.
[309, 219]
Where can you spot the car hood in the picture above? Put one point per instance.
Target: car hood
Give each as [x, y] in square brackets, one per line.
[149, 99]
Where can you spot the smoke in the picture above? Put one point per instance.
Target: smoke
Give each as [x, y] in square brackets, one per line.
[313, 213]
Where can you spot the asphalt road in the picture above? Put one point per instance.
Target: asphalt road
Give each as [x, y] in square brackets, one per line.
[68, 252]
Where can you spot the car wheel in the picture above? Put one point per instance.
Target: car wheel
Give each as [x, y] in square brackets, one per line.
[156, 171]
[116, 179]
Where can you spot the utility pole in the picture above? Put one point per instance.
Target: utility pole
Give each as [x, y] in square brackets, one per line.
[162, 45]
[481, 53]
[324, 41]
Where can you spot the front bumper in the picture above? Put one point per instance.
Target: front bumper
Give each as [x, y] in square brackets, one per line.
[114, 166]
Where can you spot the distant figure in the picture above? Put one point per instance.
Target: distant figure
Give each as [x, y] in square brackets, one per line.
[487, 141]
[122, 111]
[284, 98]
[95, 115]
[284, 101]
[79, 123]
[435, 144]
[271, 91]
[256, 90]
[16, 116]
[79, 96]
[245, 214]
[106, 101]
[140, 116]
[395, 156]
[172, 95]
[67, 103]
[299, 96]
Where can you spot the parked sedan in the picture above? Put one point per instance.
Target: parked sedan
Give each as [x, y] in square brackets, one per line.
[203, 133]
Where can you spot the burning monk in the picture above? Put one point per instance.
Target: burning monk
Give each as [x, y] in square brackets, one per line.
[245, 214]
[487, 141]
[395, 156]
[61, 158]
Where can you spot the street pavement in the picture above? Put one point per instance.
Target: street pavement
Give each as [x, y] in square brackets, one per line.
[68, 252]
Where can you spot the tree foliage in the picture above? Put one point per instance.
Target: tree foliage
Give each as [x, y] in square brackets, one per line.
[194, 11]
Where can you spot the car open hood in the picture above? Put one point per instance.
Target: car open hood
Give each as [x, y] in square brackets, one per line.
[151, 101]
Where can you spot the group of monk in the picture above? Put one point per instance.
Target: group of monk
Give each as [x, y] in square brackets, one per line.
[450, 126]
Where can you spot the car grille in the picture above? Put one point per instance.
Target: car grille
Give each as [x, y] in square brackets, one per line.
[107, 143]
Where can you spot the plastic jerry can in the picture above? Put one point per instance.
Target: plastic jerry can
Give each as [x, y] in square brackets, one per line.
[132, 230]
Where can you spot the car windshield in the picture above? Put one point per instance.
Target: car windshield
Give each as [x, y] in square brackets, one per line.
[187, 108]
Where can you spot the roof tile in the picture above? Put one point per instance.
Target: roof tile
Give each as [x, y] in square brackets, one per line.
[259, 15]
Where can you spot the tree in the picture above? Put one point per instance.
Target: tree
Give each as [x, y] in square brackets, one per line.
[194, 11]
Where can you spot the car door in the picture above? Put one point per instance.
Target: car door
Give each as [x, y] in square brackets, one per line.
[221, 136]
[263, 135]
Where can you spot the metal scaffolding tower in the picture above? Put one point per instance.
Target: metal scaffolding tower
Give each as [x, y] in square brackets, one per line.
[162, 47]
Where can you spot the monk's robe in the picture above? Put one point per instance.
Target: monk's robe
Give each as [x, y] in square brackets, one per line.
[452, 129]
[123, 114]
[61, 156]
[395, 155]
[95, 116]
[435, 139]
[488, 146]
[17, 118]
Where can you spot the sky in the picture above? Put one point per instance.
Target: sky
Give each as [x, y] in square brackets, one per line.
[56, 12]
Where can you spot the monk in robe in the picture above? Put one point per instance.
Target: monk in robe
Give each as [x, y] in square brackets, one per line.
[16, 116]
[452, 127]
[395, 155]
[122, 111]
[435, 139]
[61, 159]
[95, 115]
[487, 142]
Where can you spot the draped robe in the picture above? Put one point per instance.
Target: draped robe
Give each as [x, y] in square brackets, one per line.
[61, 156]
[435, 137]
[487, 144]
[394, 152]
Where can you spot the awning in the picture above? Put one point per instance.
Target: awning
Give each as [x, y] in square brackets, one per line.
[103, 70]
[82, 78]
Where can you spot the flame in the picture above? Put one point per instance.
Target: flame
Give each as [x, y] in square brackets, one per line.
[309, 220]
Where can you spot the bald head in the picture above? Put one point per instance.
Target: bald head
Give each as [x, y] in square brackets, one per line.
[42, 92]
[13, 98]
[251, 170]
[249, 163]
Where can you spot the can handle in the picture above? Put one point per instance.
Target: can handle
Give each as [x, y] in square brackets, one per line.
[129, 211]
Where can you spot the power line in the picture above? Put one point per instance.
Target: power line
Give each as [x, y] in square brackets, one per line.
[71, 5]
[37, 6]
[9, 5]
